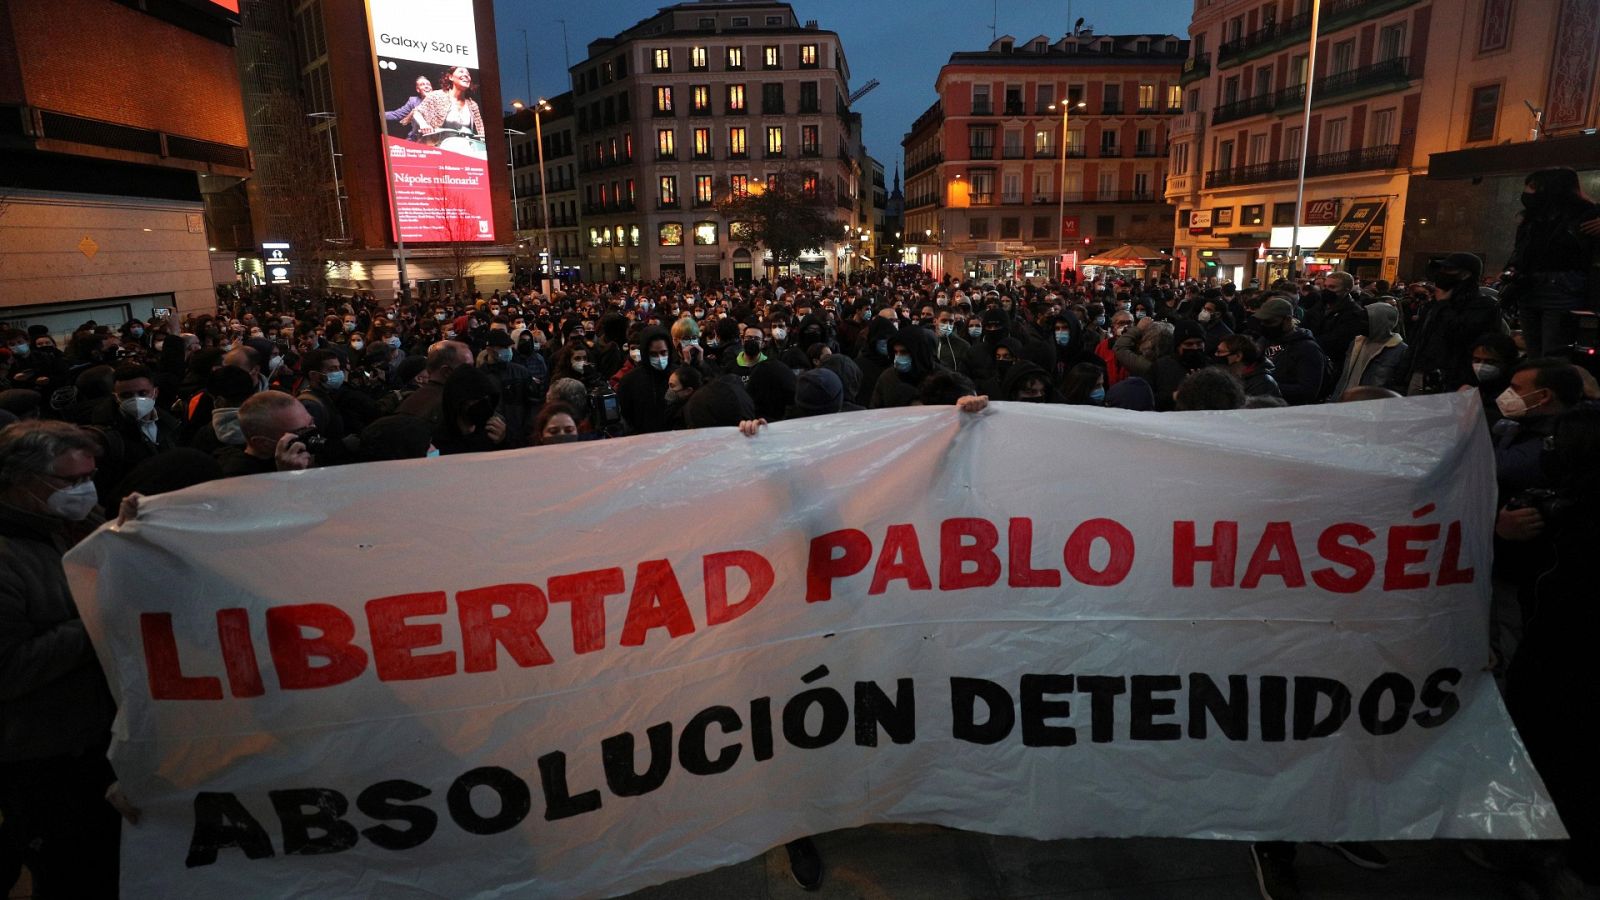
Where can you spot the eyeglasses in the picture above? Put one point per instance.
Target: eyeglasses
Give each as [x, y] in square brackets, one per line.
[69, 482]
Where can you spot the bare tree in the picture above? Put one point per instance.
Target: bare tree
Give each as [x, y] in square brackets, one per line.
[294, 181]
[460, 236]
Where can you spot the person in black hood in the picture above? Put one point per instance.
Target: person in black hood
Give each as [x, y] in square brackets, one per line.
[720, 402]
[813, 330]
[1553, 260]
[1188, 355]
[1072, 347]
[1299, 365]
[910, 361]
[608, 353]
[1030, 384]
[849, 373]
[874, 356]
[996, 327]
[642, 393]
[468, 423]
[1459, 315]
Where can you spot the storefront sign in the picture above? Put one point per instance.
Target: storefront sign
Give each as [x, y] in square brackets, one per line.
[1357, 221]
[275, 260]
[1321, 212]
[1200, 221]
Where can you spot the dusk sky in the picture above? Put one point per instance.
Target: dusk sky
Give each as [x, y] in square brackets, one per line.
[902, 44]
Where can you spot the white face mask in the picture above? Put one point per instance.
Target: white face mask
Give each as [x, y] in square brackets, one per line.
[1511, 404]
[73, 503]
[1485, 372]
[1205, 315]
[634, 354]
[274, 363]
[779, 334]
[138, 408]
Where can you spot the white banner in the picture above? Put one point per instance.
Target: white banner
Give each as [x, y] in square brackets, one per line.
[580, 670]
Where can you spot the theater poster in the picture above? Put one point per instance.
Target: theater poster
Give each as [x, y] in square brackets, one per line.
[427, 64]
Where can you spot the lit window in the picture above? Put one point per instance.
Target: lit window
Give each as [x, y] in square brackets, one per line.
[633, 235]
[663, 60]
[666, 144]
[740, 185]
[700, 98]
[735, 98]
[669, 190]
[775, 140]
[671, 234]
[808, 55]
[772, 57]
[702, 189]
[697, 58]
[810, 140]
[741, 232]
[702, 142]
[705, 234]
[1174, 97]
[735, 57]
[1147, 96]
[736, 145]
[663, 99]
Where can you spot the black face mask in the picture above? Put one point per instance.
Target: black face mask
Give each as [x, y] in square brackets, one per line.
[1535, 202]
[1003, 364]
[752, 349]
[1194, 359]
[1329, 296]
[1451, 280]
[480, 412]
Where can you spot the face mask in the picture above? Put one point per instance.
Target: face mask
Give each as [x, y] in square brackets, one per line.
[1205, 315]
[349, 326]
[390, 316]
[1449, 281]
[274, 363]
[882, 346]
[751, 349]
[1100, 321]
[357, 345]
[138, 408]
[333, 380]
[902, 362]
[73, 503]
[1063, 338]
[975, 330]
[659, 363]
[450, 334]
[22, 349]
[1511, 404]
[580, 366]
[136, 332]
[503, 354]
[940, 301]
[1485, 372]
[1003, 364]
[779, 334]
[1098, 395]
[1194, 359]
[393, 341]
[560, 439]
[634, 354]
[672, 396]
[713, 343]
[438, 317]
[433, 452]
[946, 329]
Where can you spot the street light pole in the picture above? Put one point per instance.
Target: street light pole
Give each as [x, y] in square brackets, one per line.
[1295, 265]
[333, 167]
[1061, 191]
[511, 163]
[539, 108]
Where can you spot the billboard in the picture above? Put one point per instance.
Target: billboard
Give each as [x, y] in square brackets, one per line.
[434, 134]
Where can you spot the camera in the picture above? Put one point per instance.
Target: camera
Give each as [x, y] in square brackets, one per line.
[314, 441]
[1551, 505]
[605, 412]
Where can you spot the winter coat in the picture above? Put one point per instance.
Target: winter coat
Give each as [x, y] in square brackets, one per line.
[1299, 366]
[1441, 358]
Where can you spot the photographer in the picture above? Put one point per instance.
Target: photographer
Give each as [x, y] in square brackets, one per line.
[279, 436]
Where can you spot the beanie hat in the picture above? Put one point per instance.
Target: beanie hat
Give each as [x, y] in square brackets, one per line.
[819, 391]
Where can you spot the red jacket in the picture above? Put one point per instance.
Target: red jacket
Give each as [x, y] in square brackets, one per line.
[1114, 370]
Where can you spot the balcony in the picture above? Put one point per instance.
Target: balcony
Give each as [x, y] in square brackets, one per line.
[662, 114]
[809, 107]
[811, 152]
[924, 164]
[666, 155]
[1194, 69]
[1179, 187]
[1013, 153]
[1046, 153]
[773, 154]
[1259, 105]
[772, 109]
[980, 152]
[982, 109]
[1111, 108]
[667, 204]
[1186, 124]
[1014, 109]
[738, 154]
[1110, 152]
[1340, 13]
[735, 111]
[1150, 152]
[1341, 163]
[1269, 38]
[699, 111]
[1147, 111]
[701, 156]
[1390, 74]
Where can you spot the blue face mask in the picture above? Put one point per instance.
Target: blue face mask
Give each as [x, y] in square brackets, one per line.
[136, 332]
[393, 342]
[1063, 338]
[1098, 395]
[902, 362]
[504, 354]
[333, 380]
[883, 346]
[975, 330]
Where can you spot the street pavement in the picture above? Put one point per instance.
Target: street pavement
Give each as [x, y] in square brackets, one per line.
[925, 862]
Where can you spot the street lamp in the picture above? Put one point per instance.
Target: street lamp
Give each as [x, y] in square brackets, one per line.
[539, 107]
[511, 153]
[333, 166]
[1061, 188]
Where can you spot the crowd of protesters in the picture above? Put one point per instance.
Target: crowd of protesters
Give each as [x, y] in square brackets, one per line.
[275, 381]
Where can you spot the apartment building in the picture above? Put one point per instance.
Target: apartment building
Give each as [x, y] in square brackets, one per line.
[999, 184]
[559, 181]
[692, 105]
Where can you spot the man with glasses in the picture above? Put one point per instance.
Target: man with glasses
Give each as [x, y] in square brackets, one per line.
[279, 434]
[55, 709]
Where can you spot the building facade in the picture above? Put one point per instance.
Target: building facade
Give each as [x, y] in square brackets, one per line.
[1394, 82]
[560, 197]
[103, 211]
[695, 104]
[986, 195]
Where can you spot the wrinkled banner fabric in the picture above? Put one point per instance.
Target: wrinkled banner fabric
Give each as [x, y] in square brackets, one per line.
[581, 670]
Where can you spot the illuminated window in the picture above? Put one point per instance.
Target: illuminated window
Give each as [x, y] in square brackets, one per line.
[627, 147]
[771, 58]
[772, 181]
[1174, 98]
[594, 237]
[740, 185]
[671, 234]
[736, 141]
[620, 236]
[632, 194]
[736, 98]
[735, 57]
[775, 140]
[633, 236]
[702, 143]
[669, 190]
[1147, 96]
[740, 232]
[700, 99]
[666, 144]
[702, 190]
[664, 100]
[705, 234]
[810, 140]
[662, 58]
[697, 59]
[808, 56]
[808, 184]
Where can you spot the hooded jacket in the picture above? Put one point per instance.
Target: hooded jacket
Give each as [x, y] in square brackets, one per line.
[1376, 358]
[1300, 366]
[1023, 371]
[871, 362]
[1441, 355]
[642, 393]
[896, 388]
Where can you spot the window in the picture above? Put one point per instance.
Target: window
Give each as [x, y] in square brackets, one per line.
[697, 59]
[1333, 139]
[1298, 65]
[1106, 188]
[1252, 215]
[661, 60]
[700, 99]
[739, 186]
[1044, 95]
[605, 72]
[735, 57]
[775, 21]
[772, 99]
[1112, 99]
[633, 235]
[702, 143]
[1041, 185]
[809, 102]
[1263, 81]
[633, 197]
[1225, 155]
[771, 57]
[980, 143]
[810, 140]
[1147, 98]
[1075, 144]
[736, 98]
[980, 100]
[1282, 214]
[1044, 142]
[705, 234]
[708, 23]
[627, 147]
[1392, 41]
[1174, 98]
[1485, 109]
[983, 186]
[1382, 129]
[1344, 57]
[1258, 149]
[669, 190]
[670, 234]
[774, 140]
[1144, 142]
[666, 144]
[1105, 226]
[978, 228]
[663, 101]
[622, 66]
[1041, 227]
[1180, 159]
[594, 237]
[1230, 89]
[1013, 99]
[1010, 228]
[1011, 187]
[1012, 143]
[1291, 143]
[1108, 143]
[741, 21]
[808, 56]
[702, 190]
[808, 184]
[736, 141]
